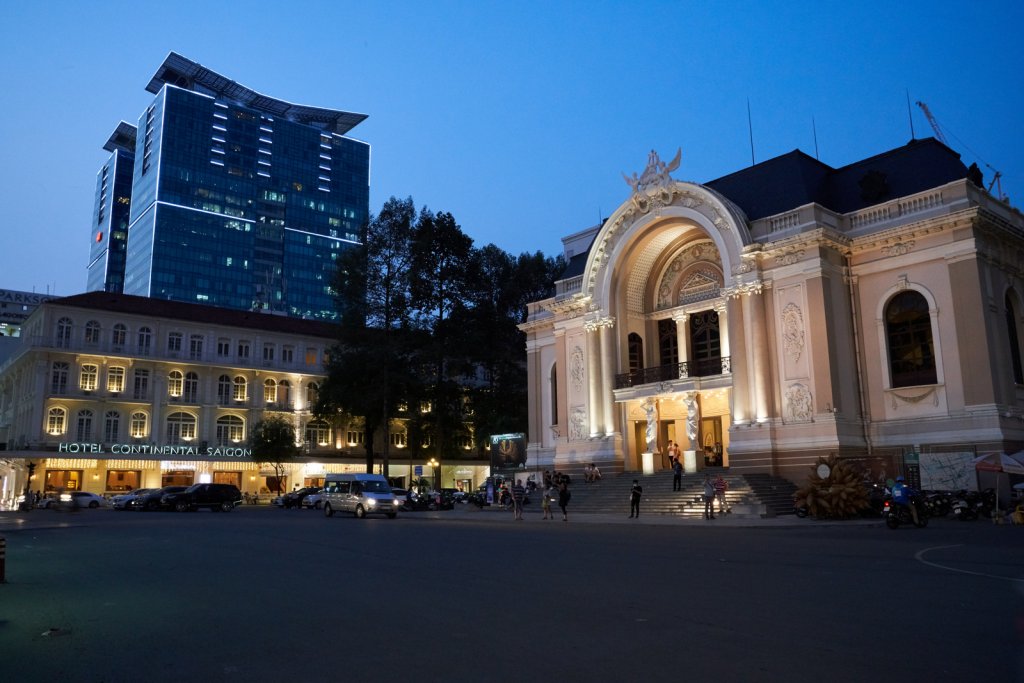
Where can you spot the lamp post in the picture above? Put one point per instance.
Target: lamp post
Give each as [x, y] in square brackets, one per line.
[435, 465]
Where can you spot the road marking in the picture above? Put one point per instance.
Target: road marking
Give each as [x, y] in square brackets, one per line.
[919, 556]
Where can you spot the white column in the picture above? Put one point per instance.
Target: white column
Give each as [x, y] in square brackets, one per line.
[723, 330]
[594, 410]
[608, 365]
[682, 338]
[759, 352]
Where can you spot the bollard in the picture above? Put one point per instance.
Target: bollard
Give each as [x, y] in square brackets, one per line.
[3, 559]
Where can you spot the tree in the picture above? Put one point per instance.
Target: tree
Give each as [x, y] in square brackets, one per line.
[367, 372]
[273, 443]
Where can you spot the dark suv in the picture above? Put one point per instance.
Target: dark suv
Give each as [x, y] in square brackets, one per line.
[214, 496]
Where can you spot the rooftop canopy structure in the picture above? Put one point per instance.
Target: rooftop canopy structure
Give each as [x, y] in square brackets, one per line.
[182, 72]
[122, 138]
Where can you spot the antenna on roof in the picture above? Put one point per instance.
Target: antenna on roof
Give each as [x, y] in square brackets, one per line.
[910, 116]
[814, 129]
[750, 127]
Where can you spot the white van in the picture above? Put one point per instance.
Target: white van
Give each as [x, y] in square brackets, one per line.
[360, 494]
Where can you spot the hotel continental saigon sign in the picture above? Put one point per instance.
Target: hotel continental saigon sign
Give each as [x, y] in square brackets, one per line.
[143, 450]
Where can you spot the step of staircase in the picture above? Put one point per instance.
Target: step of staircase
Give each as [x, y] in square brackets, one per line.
[747, 495]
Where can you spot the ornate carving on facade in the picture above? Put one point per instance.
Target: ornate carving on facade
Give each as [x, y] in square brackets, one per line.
[793, 331]
[747, 288]
[702, 252]
[915, 399]
[570, 308]
[656, 175]
[577, 371]
[578, 424]
[790, 257]
[598, 323]
[798, 403]
[898, 249]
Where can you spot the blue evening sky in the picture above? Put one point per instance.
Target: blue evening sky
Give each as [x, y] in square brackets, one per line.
[517, 117]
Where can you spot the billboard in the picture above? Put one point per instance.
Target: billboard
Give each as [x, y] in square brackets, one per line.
[508, 451]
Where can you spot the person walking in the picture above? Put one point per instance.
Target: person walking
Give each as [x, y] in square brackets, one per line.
[518, 496]
[721, 486]
[677, 475]
[709, 497]
[563, 498]
[547, 496]
[635, 494]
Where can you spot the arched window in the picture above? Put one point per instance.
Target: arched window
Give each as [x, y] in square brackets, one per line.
[239, 389]
[1012, 327]
[111, 426]
[64, 326]
[115, 379]
[175, 380]
[230, 430]
[88, 377]
[84, 430]
[145, 340]
[119, 336]
[224, 390]
[56, 421]
[635, 346]
[181, 428]
[270, 391]
[284, 393]
[59, 378]
[318, 432]
[312, 392]
[92, 333]
[174, 343]
[195, 347]
[553, 382]
[191, 389]
[139, 425]
[908, 329]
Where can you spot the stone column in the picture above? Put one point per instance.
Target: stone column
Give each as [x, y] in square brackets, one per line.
[723, 330]
[534, 394]
[682, 338]
[595, 392]
[761, 370]
[608, 365]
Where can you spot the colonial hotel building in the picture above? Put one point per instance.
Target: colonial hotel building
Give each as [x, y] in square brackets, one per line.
[108, 392]
[783, 312]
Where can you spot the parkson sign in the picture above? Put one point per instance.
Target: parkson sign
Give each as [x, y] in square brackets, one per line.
[152, 449]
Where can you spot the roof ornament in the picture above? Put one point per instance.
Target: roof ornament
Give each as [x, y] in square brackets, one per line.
[655, 176]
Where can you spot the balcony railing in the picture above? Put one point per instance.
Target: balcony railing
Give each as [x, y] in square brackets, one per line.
[675, 371]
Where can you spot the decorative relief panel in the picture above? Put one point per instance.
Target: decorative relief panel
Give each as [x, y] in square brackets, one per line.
[798, 403]
[793, 331]
[578, 424]
[699, 277]
[577, 371]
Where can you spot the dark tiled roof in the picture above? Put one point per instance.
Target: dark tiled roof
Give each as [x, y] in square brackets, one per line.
[159, 308]
[795, 179]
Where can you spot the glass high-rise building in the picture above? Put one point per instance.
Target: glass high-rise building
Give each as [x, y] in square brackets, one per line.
[111, 212]
[241, 200]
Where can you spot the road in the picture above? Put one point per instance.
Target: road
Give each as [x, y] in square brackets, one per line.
[264, 594]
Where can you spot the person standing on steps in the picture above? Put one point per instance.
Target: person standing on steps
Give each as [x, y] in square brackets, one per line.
[677, 475]
[721, 486]
[709, 497]
[635, 494]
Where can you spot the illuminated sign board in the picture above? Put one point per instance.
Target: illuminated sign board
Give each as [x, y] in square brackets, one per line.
[144, 449]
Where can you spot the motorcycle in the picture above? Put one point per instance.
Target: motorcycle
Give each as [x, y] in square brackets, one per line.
[969, 505]
[896, 514]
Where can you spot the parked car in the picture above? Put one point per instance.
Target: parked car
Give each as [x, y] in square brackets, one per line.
[294, 499]
[314, 500]
[152, 500]
[222, 497]
[76, 499]
[123, 501]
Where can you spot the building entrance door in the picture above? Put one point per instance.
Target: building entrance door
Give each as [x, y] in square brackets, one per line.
[711, 439]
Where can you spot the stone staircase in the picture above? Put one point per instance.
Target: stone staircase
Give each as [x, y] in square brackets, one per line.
[748, 495]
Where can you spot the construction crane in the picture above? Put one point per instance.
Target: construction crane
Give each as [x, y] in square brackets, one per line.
[996, 175]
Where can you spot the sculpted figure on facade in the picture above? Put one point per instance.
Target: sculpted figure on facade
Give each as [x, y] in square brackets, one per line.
[651, 431]
[692, 417]
[798, 403]
[578, 424]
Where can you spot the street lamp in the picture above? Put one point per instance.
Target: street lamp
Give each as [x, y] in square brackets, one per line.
[435, 464]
